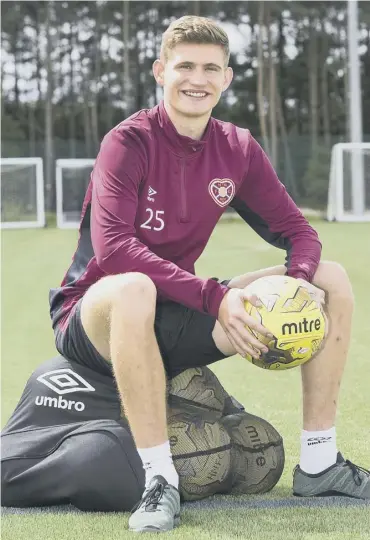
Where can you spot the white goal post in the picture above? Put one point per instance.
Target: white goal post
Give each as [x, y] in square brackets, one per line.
[22, 193]
[349, 183]
[72, 178]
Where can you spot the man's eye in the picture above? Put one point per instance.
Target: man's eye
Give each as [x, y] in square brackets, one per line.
[185, 67]
[210, 68]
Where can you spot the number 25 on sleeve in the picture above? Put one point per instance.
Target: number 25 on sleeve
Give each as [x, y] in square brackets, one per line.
[154, 221]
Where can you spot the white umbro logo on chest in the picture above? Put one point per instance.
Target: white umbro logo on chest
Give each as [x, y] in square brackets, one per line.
[151, 193]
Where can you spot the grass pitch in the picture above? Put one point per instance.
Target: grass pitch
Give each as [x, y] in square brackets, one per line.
[33, 261]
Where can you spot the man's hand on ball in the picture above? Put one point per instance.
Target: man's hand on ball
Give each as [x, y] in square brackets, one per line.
[316, 294]
[234, 319]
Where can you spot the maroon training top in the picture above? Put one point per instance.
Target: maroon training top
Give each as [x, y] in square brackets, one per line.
[155, 197]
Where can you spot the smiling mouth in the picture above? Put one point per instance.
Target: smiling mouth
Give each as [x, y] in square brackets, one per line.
[193, 94]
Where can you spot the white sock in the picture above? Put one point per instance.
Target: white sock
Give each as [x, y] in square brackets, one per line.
[157, 460]
[318, 450]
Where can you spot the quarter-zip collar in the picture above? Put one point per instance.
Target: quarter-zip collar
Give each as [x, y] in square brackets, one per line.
[180, 144]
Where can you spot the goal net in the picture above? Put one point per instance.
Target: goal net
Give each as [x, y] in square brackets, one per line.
[22, 193]
[72, 179]
[349, 183]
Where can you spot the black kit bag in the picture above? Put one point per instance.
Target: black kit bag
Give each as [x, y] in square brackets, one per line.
[67, 443]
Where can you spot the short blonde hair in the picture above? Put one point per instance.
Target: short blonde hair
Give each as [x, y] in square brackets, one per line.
[193, 29]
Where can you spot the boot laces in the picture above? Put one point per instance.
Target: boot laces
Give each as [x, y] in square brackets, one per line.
[153, 497]
[356, 470]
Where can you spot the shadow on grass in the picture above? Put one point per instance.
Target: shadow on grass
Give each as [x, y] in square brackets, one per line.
[280, 497]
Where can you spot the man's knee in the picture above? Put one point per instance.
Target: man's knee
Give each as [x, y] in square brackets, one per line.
[135, 286]
[133, 294]
[134, 289]
[333, 279]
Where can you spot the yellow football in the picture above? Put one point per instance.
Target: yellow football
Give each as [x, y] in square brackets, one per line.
[296, 321]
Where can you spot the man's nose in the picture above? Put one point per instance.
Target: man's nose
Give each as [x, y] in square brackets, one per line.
[199, 77]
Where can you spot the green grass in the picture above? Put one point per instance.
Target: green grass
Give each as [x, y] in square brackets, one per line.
[302, 524]
[34, 261]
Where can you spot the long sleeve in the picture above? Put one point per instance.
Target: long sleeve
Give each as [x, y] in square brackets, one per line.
[263, 202]
[116, 179]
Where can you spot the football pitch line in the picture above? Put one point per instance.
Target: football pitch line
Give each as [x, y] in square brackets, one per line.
[218, 503]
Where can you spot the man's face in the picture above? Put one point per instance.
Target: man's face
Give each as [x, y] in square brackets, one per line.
[193, 78]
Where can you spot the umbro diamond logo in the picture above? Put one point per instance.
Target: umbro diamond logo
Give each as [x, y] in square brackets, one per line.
[65, 381]
[151, 193]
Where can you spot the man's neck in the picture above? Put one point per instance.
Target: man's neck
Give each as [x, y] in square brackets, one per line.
[187, 126]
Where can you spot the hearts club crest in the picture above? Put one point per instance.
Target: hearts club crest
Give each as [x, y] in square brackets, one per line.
[222, 191]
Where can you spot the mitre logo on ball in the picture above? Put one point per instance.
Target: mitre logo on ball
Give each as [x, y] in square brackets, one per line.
[296, 320]
[222, 190]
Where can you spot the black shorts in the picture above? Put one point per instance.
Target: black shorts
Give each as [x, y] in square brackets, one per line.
[184, 337]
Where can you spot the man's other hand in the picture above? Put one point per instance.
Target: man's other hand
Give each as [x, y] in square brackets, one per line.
[316, 294]
[233, 318]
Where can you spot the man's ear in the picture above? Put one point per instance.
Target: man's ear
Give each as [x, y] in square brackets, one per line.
[158, 72]
[229, 74]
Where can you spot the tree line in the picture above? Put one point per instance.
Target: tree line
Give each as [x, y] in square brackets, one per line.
[71, 70]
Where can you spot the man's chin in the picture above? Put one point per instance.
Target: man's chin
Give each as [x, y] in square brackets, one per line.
[194, 112]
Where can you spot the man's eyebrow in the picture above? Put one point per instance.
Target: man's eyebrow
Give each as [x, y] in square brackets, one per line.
[208, 64]
[212, 64]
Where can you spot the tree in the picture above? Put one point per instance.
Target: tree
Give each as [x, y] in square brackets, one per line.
[260, 77]
[313, 78]
[126, 81]
[290, 75]
[325, 103]
[272, 94]
[49, 147]
[71, 95]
